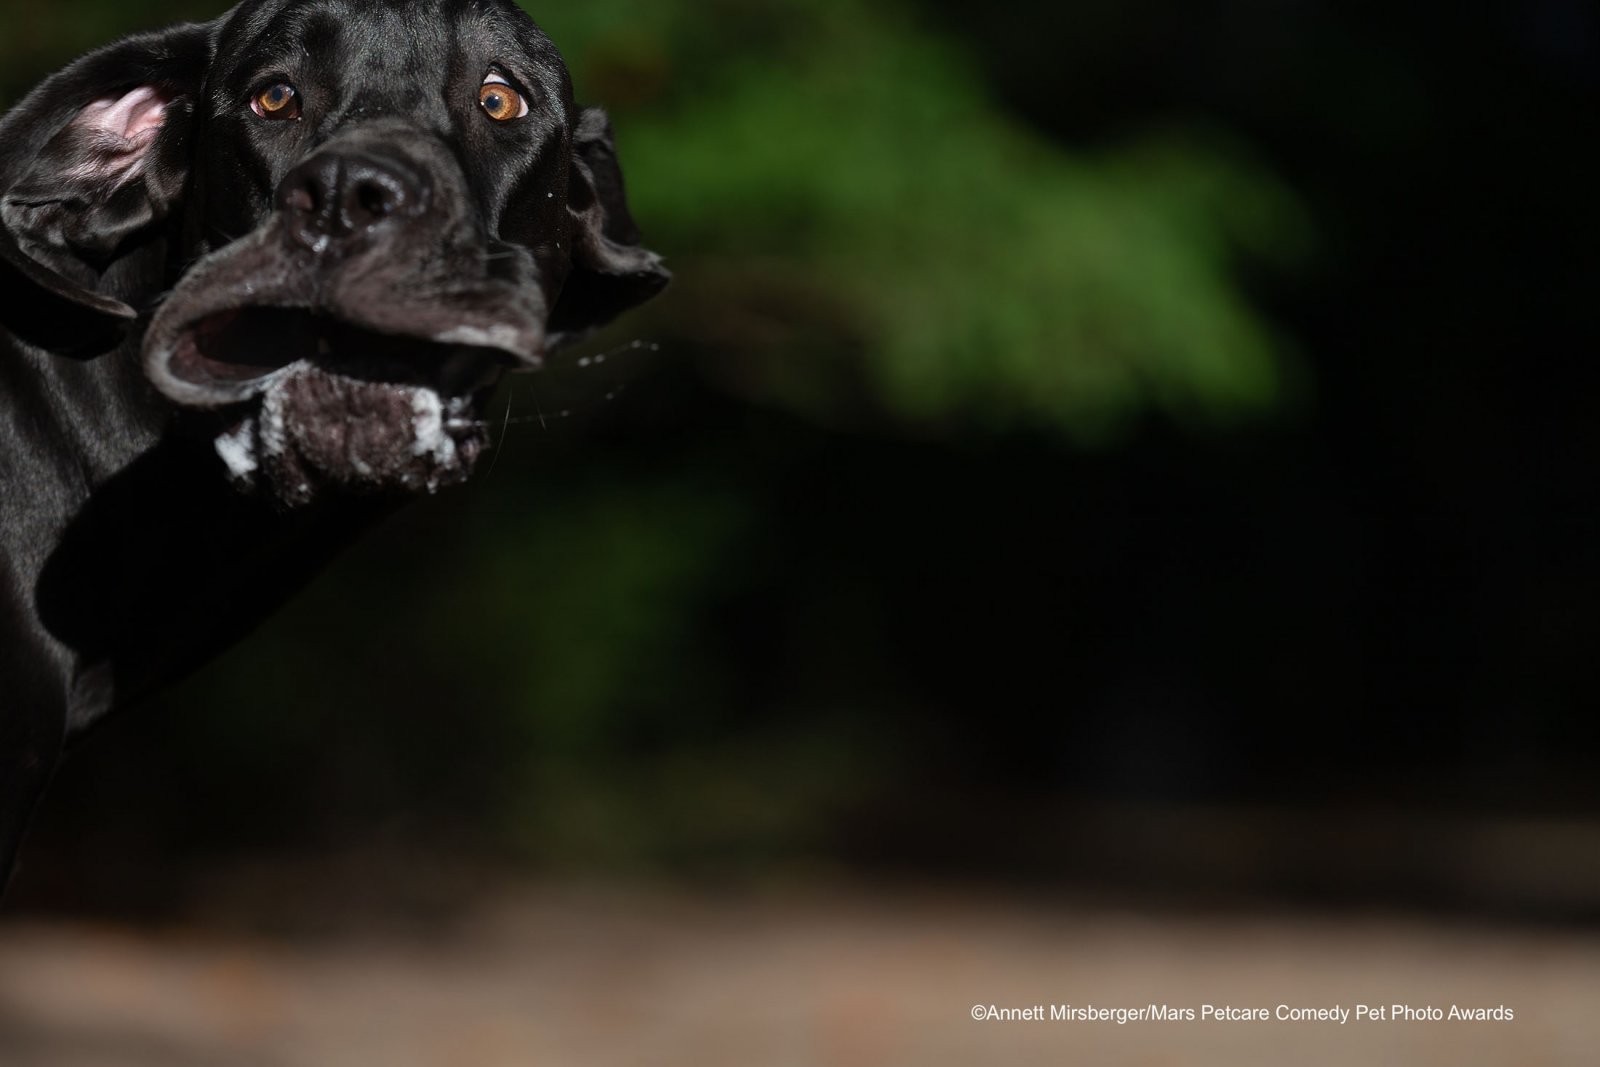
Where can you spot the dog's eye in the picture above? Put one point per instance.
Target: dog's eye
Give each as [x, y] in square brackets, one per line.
[500, 101]
[278, 101]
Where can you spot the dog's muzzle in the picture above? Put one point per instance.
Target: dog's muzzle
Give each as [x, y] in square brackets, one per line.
[358, 328]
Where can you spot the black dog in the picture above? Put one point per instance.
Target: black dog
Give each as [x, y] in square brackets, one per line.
[347, 217]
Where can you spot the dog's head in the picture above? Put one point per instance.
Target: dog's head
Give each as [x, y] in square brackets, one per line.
[359, 212]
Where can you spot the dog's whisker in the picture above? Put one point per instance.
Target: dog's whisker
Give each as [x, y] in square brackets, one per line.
[500, 446]
[538, 409]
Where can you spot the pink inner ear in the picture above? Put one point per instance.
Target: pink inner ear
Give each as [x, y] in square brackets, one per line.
[120, 131]
[135, 116]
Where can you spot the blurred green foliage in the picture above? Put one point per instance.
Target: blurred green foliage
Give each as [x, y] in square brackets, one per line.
[972, 270]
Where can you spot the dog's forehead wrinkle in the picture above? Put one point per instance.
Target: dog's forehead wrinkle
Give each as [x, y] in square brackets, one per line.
[390, 22]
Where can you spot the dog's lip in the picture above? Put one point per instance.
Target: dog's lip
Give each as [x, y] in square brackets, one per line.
[438, 352]
[236, 353]
[487, 322]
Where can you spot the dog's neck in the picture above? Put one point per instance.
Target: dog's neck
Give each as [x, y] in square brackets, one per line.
[140, 558]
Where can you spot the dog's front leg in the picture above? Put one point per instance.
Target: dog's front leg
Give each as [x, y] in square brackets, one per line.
[33, 713]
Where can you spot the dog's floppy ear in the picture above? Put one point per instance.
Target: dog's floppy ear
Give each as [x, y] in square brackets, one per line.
[611, 271]
[90, 161]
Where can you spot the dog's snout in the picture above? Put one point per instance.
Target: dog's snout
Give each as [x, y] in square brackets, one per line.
[337, 196]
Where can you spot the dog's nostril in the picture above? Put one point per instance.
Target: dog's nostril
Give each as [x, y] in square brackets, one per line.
[301, 200]
[307, 193]
[374, 200]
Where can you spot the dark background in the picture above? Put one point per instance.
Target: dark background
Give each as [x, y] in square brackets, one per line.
[1111, 444]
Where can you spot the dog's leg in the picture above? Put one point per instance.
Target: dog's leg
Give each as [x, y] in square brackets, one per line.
[32, 733]
[19, 795]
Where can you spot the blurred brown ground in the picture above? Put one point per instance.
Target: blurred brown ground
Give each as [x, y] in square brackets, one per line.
[585, 976]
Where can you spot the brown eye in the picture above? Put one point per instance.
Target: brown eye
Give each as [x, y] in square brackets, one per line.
[278, 101]
[501, 102]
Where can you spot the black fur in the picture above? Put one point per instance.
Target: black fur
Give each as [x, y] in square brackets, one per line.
[323, 300]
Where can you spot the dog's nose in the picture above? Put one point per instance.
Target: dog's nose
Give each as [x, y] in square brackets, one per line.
[336, 196]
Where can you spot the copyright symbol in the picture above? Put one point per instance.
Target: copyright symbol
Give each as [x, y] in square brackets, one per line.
[979, 1011]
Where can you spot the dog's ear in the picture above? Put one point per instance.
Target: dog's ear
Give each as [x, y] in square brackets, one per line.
[90, 162]
[611, 270]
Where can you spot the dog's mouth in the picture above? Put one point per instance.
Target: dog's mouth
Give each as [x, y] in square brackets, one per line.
[367, 373]
[239, 353]
[315, 402]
